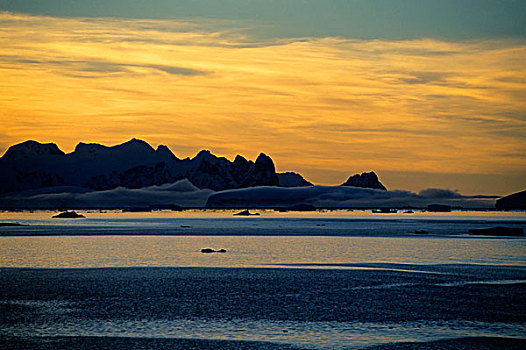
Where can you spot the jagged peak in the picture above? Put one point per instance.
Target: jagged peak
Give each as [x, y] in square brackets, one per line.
[265, 162]
[31, 148]
[206, 155]
[240, 159]
[262, 157]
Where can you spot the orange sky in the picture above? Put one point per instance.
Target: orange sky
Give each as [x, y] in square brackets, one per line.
[326, 107]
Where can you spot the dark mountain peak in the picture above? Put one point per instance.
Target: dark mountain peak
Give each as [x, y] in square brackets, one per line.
[204, 155]
[203, 152]
[365, 180]
[164, 151]
[292, 179]
[263, 159]
[31, 149]
[242, 164]
[240, 160]
[265, 164]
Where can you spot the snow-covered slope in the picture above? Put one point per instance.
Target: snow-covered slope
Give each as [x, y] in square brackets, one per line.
[181, 193]
[338, 197]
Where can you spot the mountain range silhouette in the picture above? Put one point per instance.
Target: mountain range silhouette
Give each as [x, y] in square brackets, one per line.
[133, 164]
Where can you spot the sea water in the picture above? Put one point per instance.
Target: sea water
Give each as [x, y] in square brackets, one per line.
[322, 280]
[175, 239]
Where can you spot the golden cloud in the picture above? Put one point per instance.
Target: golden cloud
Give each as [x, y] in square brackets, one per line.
[325, 103]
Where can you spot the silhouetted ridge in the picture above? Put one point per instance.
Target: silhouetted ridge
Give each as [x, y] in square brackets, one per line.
[89, 148]
[365, 180]
[31, 149]
[135, 164]
[132, 164]
[292, 179]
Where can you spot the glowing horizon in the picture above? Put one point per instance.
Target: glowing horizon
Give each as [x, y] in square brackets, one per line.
[326, 107]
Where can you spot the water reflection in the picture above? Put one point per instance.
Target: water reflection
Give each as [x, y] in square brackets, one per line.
[252, 251]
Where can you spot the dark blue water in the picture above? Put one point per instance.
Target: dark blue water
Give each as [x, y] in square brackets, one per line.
[310, 281]
[305, 308]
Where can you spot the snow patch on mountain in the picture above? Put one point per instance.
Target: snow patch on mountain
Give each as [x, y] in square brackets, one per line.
[335, 197]
[181, 193]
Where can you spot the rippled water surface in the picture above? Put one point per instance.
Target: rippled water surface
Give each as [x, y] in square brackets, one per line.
[175, 239]
[334, 280]
[252, 251]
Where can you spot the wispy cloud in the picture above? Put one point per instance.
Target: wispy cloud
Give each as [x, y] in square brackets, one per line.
[332, 103]
[92, 68]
